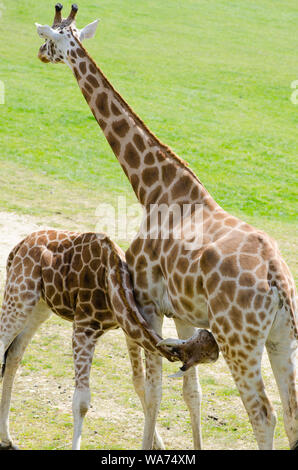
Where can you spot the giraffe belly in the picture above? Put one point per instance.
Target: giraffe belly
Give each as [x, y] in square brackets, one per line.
[193, 311]
[188, 297]
[62, 311]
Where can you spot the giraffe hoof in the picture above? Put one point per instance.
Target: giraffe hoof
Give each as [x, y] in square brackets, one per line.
[9, 446]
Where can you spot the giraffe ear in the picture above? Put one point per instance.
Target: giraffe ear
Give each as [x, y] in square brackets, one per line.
[47, 32]
[89, 31]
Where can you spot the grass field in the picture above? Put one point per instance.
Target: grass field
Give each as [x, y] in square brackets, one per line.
[212, 78]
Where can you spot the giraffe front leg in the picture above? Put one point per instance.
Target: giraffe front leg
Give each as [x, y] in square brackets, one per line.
[153, 394]
[84, 341]
[138, 379]
[153, 390]
[192, 392]
[80, 406]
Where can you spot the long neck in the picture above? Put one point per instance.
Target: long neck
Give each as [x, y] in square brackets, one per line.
[124, 306]
[156, 174]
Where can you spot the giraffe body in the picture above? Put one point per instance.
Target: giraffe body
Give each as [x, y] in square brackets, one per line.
[232, 280]
[237, 285]
[83, 278]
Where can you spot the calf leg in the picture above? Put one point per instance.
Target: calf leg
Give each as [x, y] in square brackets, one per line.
[15, 353]
[84, 341]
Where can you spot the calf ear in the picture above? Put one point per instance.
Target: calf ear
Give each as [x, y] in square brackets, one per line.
[47, 32]
[178, 374]
[171, 342]
[89, 31]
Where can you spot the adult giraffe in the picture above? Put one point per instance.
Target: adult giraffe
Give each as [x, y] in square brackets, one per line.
[232, 279]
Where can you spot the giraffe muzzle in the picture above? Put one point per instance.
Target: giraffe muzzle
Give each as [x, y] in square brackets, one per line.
[201, 348]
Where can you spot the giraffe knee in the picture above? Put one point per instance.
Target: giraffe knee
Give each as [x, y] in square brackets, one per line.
[81, 402]
[192, 392]
[291, 427]
[138, 383]
[153, 395]
[12, 357]
[271, 417]
[83, 409]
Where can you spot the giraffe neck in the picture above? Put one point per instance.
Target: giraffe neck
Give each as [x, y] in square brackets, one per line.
[156, 173]
[124, 305]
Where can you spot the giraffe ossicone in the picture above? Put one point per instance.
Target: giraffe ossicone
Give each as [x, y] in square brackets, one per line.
[234, 281]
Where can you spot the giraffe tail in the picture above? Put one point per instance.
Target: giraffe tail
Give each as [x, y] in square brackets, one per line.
[286, 293]
[3, 361]
[7, 336]
[6, 342]
[3, 357]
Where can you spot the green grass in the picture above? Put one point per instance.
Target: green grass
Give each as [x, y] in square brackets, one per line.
[212, 80]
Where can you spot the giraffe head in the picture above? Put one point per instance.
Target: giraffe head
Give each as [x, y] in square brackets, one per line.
[59, 38]
[201, 348]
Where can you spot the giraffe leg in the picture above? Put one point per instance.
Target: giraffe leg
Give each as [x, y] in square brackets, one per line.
[153, 388]
[258, 406]
[84, 341]
[282, 348]
[245, 366]
[192, 392]
[153, 394]
[14, 356]
[138, 379]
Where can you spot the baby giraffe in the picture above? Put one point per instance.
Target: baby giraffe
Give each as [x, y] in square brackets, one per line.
[82, 278]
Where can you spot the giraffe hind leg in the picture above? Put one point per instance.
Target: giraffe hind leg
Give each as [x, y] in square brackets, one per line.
[254, 397]
[4, 362]
[18, 309]
[245, 365]
[14, 355]
[295, 447]
[282, 348]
